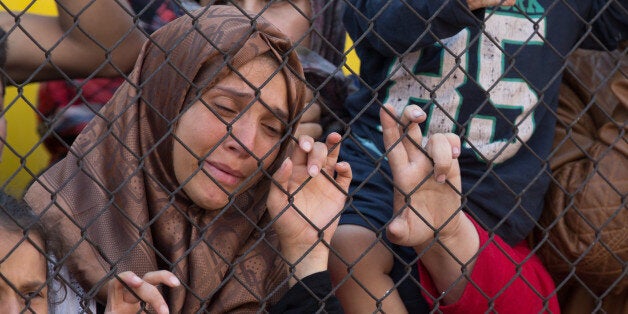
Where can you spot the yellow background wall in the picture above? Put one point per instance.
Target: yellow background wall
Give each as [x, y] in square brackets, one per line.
[18, 167]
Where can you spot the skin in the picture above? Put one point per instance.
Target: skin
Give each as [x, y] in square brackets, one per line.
[369, 287]
[312, 175]
[230, 159]
[25, 269]
[292, 18]
[73, 54]
[436, 201]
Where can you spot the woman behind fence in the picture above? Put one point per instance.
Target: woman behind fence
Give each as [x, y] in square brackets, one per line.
[175, 174]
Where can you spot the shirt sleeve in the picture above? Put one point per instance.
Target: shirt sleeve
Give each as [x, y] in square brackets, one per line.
[394, 27]
[504, 279]
[609, 25]
[312, 294]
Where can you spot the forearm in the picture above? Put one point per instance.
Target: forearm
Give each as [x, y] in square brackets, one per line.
[103, 23]
[505, 279]
[410, 25]
[104, 34]
[446, 259]
[303, 263]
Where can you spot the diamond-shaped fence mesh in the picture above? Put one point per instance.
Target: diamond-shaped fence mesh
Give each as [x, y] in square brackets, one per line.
[507, 195]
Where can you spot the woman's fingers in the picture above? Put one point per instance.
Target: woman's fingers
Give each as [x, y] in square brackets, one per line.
[277, 196]
[145, 289]
[162, 277]
[343, 175]
[333, 150]
[316, 159]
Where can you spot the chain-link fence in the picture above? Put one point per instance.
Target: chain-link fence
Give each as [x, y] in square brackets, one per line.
[176, 164]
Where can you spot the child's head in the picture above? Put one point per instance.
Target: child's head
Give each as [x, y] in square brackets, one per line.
[23, 268]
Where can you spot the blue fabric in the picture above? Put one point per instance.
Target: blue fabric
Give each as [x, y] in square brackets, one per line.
[503, 184]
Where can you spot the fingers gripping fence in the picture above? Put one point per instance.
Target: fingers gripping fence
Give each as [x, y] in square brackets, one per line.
[180, 163]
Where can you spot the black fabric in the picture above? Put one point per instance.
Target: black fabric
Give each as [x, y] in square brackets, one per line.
[311, 295]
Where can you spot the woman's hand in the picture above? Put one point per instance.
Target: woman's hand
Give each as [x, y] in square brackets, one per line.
[120, 300]
[306, 199]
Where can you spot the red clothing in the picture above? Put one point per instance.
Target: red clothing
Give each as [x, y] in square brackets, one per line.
[508, 279]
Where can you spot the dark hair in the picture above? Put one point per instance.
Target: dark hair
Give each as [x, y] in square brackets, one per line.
[17, 217]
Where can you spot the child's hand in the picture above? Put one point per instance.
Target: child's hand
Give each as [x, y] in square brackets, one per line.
[427, 192]
[317, 185]
[120, 300]
[477, 4]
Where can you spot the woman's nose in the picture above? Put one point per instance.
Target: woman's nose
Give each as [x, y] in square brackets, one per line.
[242, 139]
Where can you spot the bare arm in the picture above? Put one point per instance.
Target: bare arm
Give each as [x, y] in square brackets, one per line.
[113, 42]
[425, 204]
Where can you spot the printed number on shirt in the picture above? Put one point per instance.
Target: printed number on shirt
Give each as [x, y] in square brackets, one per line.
[505, 93]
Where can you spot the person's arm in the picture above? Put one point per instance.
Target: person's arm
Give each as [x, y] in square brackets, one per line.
[305, 200]
[504, 279]
[86, 37]
[427, 203]
[403, 25]
[460, 265]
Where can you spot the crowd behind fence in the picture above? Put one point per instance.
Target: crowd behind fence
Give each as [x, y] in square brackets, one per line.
[509, 118]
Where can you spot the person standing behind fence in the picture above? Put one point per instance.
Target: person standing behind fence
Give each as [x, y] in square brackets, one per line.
[35, 48]
[488, 74]
[176, 174]
[67, 106]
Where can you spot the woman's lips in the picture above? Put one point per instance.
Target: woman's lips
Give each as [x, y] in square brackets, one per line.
[223, 173]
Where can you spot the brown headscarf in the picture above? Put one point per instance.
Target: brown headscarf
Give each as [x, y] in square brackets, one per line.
[115, 201]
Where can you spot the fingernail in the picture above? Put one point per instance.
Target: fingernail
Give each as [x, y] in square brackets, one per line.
[136, 280]
[313, 170]
[441, 178]
[307, 146]
[163, 309]
[416, 113]
[285, 161]
[456, 151]
[175, 281]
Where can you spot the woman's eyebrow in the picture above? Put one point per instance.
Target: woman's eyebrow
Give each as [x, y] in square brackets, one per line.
[249, 96]
[236, 92]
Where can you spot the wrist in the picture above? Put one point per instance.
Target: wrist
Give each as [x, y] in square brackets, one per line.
[302, 263]
[452, 254]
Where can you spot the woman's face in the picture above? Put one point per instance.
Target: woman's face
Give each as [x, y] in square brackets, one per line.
[291, 17]
[206, 150]
[25, 268]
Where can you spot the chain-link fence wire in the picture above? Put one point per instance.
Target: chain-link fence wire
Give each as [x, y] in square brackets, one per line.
[581, 233]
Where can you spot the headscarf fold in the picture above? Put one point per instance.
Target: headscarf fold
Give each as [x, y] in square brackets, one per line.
[116, 202]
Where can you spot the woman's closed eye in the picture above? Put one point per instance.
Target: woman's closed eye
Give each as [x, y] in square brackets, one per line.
[224, 110]
[274, 128]
[34, 294]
